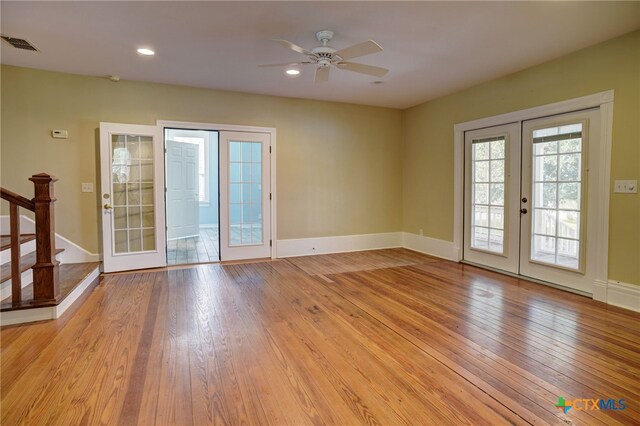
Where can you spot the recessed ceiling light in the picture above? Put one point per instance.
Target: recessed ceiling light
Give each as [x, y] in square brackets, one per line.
[146, 52]
[292, 71]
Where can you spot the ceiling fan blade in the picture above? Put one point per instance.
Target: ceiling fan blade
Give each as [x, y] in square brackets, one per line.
[288, 64]
[366, 48]
[363, 69]
[294, 47]
[322, 74]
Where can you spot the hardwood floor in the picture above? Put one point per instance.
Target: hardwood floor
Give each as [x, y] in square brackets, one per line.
[382, 337]
[203, 248]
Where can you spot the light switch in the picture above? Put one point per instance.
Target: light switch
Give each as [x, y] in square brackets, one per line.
[626, 186]
[87, 187]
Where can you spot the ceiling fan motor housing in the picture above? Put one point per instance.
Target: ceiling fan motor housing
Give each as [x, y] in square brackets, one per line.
[324, 53]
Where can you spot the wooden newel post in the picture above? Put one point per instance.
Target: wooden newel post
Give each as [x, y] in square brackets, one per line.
[45, 271]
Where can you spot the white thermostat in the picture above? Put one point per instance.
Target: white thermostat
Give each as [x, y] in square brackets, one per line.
[60, 134]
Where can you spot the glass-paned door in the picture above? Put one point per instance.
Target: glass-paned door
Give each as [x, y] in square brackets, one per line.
[245, 190]
[527, 202]
[492, 158]
[558, 184]
[132, 197]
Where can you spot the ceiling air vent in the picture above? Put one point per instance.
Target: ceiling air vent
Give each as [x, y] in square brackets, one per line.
[19, 43]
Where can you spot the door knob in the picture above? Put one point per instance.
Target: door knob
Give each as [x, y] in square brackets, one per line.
[107, 206]
[523, 211]
[524, 199]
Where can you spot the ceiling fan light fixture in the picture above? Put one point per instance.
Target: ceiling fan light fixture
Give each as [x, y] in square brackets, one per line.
[292, 72]
[145, 51]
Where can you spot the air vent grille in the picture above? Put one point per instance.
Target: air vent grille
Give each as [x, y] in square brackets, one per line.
[19, 43]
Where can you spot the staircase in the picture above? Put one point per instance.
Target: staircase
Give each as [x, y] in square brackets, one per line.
[34, 284]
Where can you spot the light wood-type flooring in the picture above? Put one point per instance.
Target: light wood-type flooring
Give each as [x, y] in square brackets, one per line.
[386, 337]
[202, 248]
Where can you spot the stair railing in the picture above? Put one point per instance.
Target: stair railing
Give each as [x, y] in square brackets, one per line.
[45, 271]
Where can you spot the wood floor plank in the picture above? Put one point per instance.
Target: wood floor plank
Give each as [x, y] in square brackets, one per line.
[380, 337]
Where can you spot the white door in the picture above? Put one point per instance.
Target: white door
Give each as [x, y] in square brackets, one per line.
[492, 192]
[132, 172]
[245, 192]
[527, 202]
[182, 190]
[559, 178]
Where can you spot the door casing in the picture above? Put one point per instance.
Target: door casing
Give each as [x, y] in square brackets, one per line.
[113, 262]
[603, 100]
[162, 124]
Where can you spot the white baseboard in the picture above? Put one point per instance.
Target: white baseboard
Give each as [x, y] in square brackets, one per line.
[27, 315]
[48, 312]
[72, 253]
[26, 278]
[600, 291]
[25, 248]
[76, 293]
[623, 295]
[344, 243]
[209, 225]
[430, 246]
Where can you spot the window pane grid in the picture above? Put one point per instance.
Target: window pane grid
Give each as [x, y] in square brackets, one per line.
[557, 188]
[132, 194]
[487, 194]
[245, 193]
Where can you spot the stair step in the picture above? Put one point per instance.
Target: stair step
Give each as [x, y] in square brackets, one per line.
[26, 262]
[5, 240]
[71, 275]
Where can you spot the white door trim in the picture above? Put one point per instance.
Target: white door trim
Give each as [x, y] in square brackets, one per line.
[162, 124]
[604, 100]
[136, 260]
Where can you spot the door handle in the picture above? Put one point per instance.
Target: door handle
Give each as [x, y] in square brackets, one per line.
[107, 206]
[523, 211]
[524, 199]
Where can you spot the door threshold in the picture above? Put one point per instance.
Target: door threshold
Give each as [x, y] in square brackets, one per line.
[533, 280]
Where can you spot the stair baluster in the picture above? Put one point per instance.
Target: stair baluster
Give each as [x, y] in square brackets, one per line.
[16, 275]
[46, 269]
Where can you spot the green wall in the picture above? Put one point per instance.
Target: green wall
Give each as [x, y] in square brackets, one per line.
[338, 165]
[342, 169]
[428, 139]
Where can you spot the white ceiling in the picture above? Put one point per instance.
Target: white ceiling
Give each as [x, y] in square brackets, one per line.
[431, 48]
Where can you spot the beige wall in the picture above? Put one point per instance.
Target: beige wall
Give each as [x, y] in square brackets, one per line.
[338, 171]
[341, 167]
[428, 139]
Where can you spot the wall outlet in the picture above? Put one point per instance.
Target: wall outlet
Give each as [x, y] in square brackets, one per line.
[421, 232]
[87, 187]
[626, 186]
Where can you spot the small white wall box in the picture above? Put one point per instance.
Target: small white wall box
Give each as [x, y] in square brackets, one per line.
[626, 186]
[60, 134]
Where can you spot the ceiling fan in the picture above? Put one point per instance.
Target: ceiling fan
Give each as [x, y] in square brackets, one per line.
[325, 56]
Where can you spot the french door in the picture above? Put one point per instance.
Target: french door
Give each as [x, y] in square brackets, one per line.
[132, 200]
[529, 191]
[245, 195]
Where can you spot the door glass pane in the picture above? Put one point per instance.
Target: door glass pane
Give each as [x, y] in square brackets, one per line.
[488, 157]
[557, 186]
[245, 193]
[132, 193]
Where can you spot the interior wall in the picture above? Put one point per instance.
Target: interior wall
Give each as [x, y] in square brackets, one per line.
[428, 139]
[338, 165]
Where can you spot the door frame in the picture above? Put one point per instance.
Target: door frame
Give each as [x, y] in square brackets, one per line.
[603, 100]
[188, 125]
[142, 259]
